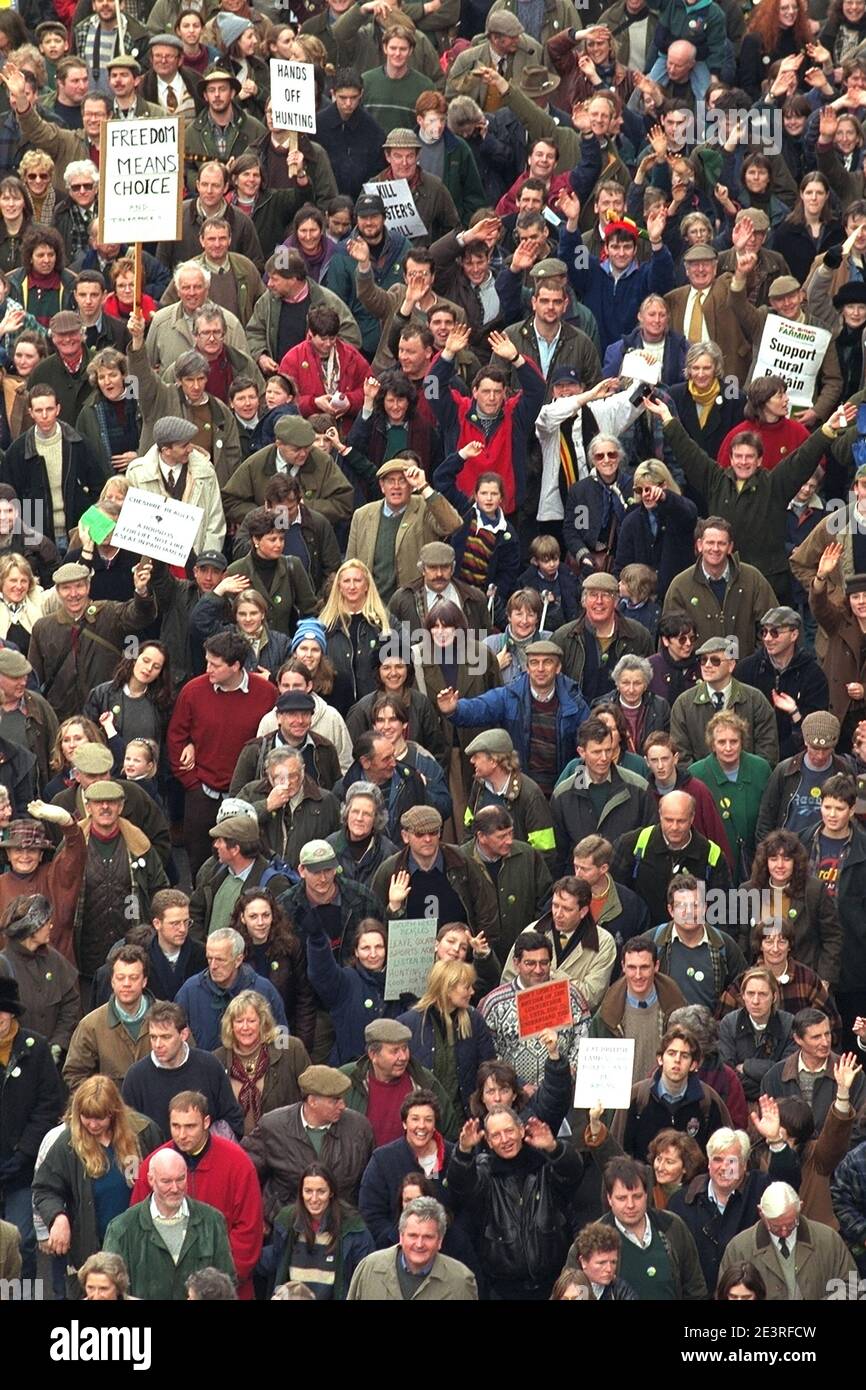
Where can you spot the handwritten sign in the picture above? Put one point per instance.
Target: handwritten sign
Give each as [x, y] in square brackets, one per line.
[141, 179]
[293, 96]
[604, 1073]
[401, 213]
[410, 955]
[545, 1006]
[157, 526]
[793, 351]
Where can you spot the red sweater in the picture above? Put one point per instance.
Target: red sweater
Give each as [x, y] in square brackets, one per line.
[219, 723]
[779, 440]
[225, 1178]
[305, 367]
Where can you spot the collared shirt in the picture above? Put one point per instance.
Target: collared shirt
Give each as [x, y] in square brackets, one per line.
[163, 1067]
[714, 1197]
[671, 1095]
[676, 936]
[413, 866]
[634, 1003]
[642, 1242]
[243, 687]
[701, 296]
[790, 1241]
[547, 351]
[449, 595]
[182, 1215]
[319, 1129]
[417, 1273]
[813, 1071]
[392, 511]
[711, 580]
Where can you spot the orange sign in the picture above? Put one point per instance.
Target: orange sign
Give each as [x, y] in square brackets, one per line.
[545, 1006]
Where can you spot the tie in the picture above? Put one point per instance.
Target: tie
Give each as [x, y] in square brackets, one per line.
[695, 333]
[171, 99]
[718, 700]
[642, 1004]
[564, 938]
[783, 1249]
[502, 67]
[172, 481]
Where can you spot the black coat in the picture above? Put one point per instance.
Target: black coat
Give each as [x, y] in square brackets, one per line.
[18, 774]
[354, 147]
[803, 678]
[722, 418]
[649, 875]
[356, 669]
[424, 726]
[737, 1046]
[711, 1229]
[31, 1103]
[163, 980]
[82, 477]
[670, 551]
[794, 241]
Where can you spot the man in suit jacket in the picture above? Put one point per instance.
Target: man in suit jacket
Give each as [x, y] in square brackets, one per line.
[712, 319]
[413, 513]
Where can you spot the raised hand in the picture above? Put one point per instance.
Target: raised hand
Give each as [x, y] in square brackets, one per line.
[655, 223]
[550, 1038]
[43, 810]
[447, 700]
[657, 407]
[491, 78]
[457, 340]
[141, 575]
[786, 703]
[742, 234]
[830, 557]
[595, 1113]
[523, 258]
[358, 250]
[398, 889]
[487, 230]
[766, 1119]
[502, 345]
[659, 142]
[471, 1136]
[539, 1135]
[472, 448]
[845, 1071]
[828, 124]
[415, 477]
[568, 204]
[480, 945]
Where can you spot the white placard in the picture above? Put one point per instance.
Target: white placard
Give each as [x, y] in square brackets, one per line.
[604, 1073]
[293, 96]
[141, 180]
[637, 365]
[159, 527]
[793, 351]
[401, 213]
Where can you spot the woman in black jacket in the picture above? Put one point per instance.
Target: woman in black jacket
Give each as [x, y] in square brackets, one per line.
[397, 677]
[355, 620]
[810, 228]
[361, 844]
[275, 951]
[708, 403]
[270, 209]
[16, 216]
[393, 426]
[755, 1037]
[137, 701]
[660, 530]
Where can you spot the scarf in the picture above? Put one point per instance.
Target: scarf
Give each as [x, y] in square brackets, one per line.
[704, 400]
[250, 1098]
[517, 646]
[44, 282]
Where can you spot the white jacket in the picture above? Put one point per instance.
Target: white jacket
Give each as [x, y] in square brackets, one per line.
[202, 490]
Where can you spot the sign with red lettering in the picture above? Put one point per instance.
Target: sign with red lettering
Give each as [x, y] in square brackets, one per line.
[545, 1006]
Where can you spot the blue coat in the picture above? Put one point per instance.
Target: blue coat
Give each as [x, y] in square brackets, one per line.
[387, 271]
[377, 1201]
[205, 1003]
[510, 707]
[673, 358]
[613, 302]
[469, 1052]
[352, 996]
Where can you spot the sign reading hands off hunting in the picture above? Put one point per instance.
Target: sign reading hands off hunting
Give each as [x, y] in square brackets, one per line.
[794, 351]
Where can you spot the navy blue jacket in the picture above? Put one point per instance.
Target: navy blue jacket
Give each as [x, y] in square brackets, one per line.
[711, 1229]
[510, 707]
[352, 996]
[205, 1003]
[670, 551]
[725, 414]
[673, 358]
[802, 678]
[565, 588]
[469, 1052]
[354, 147]
[377, 1200]
[614, 303]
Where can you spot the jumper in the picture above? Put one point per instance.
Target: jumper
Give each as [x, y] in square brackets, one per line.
[219, 723]
[148, 1089]
[390, 101]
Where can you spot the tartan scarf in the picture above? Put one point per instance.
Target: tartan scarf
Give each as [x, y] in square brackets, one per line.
[250, 1098]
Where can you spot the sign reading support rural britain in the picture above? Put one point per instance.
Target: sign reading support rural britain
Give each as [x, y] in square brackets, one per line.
[604, 1072]
[794, 351]
[545, 1006]
[401, 213]
[157, 526]
[293, 96]
[141, 180]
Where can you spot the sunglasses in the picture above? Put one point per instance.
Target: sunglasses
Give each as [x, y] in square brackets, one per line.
[712, 660]
[81, 187]
[686, 638]
[605, 454]
[774, 631]
[33, 176]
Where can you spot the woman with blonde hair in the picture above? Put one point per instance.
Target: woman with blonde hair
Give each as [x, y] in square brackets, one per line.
[104, 1278]
[70, 734]
[87, 1175]
[448, 1036]
[658, 530]
[22, 601]
[36, 169]
[263, 1076]
[354, 618]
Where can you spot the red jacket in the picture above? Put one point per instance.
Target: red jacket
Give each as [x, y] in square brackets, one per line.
[305, 368]
[508, 202]
[225, 1178]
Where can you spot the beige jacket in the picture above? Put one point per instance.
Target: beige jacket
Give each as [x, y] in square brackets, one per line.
[433, 519]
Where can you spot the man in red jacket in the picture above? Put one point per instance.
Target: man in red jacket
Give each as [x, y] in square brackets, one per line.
[219, 1173]
[215, 715]
[330, 373]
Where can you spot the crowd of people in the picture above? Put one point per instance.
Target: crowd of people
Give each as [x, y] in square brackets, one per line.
[526, 605]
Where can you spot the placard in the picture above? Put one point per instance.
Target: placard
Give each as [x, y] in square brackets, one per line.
[411, 945]
[401, 213]
[637, 366]
[159, 527]
[141, 179]
[604, 1073]
[97, 523]
[794, 351]
[542, 1007]
[293, 96]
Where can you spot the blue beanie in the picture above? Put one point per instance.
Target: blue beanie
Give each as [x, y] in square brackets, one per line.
[310, 627]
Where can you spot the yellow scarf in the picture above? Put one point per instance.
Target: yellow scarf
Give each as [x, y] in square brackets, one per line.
[704, 400]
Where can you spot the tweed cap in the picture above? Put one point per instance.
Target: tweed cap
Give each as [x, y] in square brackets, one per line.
[395, 465]
[387, 1030]
[243, 829]
[549, 268]
[821, 729]
[104, 791]
[782, 285]
[421, 820]
[437, 553]
[700, 253]
[725, 646]
[124, 60]
[94, 759]
[66, 321]
[781, 616]
[70, 572]
[758, 218]
[293, 429]
[324, 1081]
[491, 741]
[600, 582]
[173, 429]
[542, 646]
[13, 664]
[167, 40]
[504, 22]
[25, 834]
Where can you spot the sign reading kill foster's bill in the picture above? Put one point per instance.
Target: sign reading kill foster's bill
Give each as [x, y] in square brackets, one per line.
[545, 1006]
[141, 180]
[293, 96]
[401, 214]
[159, 527]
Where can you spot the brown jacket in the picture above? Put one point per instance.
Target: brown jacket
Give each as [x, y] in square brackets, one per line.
[280, 1150]
[842, 663]
[280, 1084]
[720, 324]
[66, 678]
[48, 986]
[821, 1255]
[101, 1045]
[59, 880]
[607, 1020]
[818, 1160]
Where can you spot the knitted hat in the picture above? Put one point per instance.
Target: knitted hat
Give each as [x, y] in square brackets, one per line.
[231, 26]
[401, 138]
[310, 629]
[421, 820]
[821, 729]
[235, 806]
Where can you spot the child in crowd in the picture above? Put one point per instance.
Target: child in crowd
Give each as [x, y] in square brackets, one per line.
[553, 580]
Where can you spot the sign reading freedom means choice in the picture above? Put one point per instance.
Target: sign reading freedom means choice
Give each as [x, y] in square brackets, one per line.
[141, 180]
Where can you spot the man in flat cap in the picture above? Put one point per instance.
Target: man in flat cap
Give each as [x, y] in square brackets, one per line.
[174, 467]
[294, 711]
[237, 863]
[168, 83]
[26, 718]
[541, 710]
[79, 645]
[385, 1075]
[317, 1129]
[769, 265]
[124, 79]
[787, 674]
[436, 583]
[93, 762]
[337, 903]
[701, 310]
[430, 879]
[187, 396]
[506, 47]
[717, 690]
[433, 202]
[326, 488]
[65, 367]
[499, 781]
[791, 797]
[389, 536]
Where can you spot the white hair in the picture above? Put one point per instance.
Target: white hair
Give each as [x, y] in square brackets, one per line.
[201, 270]
[723, 1139]
[233, 937]
[778, 1198]
[80, 169]
[164, 1159]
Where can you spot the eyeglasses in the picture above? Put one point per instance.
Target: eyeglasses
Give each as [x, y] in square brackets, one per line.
[34, 175]
[605, 454]
[81, 187]
[712, 660]
[775, 631]
[209, 333]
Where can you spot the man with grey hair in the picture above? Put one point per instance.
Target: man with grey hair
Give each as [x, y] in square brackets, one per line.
[225, 362]
[206, 996]
[415, 1268]
[718, 690]
[74, 214]
[796, 1258]
[164, 1241]
[290, 805]
[170, 331]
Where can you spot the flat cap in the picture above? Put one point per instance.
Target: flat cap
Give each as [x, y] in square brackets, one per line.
[94, 759]
[65, 322]
[857, 583]
[318, 854]
[437, 553]
[758, 218]
[212, 557]
[701, 253]
[490, 741]
[726, 646]
[124, 60]
[551, 267]
[600, 583]
[244, 829]
[324, 1081]
[368, 204]
[783, 284]
[395, 465]
[51, 26]
[70, 572]
[543, 647]
[387, 1030]
[13, 664]
[173, 429]
[504, 22]
[421, 820]
[781, 616]
[401, 138]
[294, 429]
[104, 791]
[168, 40]
[295, 702]
[821, 729]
